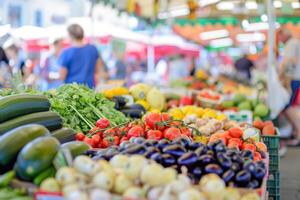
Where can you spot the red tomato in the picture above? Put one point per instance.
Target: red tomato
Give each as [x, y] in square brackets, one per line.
[248, 146]
[80, 136]
[186, 131]
[232, 145]
[257, 156]
[154, 134]
[109, 132]
[237, 141]
[103, 123]
[125, 138]
[185, 101]
[172, 133]
[123, 131]
[165, 117]
[235, 132]
[261, 146]
[109, 141]
[96, 139]
[88, 140]
[152, 119]
[136, 131]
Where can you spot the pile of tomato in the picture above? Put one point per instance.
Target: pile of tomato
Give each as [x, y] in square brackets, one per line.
[154, 126]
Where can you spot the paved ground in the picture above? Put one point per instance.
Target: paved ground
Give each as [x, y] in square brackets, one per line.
[290, 175]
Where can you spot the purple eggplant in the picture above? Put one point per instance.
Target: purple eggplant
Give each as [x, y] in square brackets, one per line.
[194, 145]
[163, 143]
[247, 154]
[260, 164]
[225, 162]
[174, 150]
[228, 176]
[137, 149]
[263, 154]
[231, 152]
[213, 168]
[235, 167]
[259, 173]
[253, 184]
[150, 143]
[242, 178]
[220, 148]
[197, 172]
[210, 152]
[124, 144]
[237, 159]
[138, 140]
[182, 141]
[188, 159]
[167, 160]
[206, 159]
[156, 157]
[201, 150]
[150, 151]
[249, 167]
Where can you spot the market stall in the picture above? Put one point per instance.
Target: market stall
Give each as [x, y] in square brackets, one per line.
[133, 143]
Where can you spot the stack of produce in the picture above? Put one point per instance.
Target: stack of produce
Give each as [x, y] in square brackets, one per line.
[30, 151]
[134, 177]
[150, 98]
[81, 107]
[240, 102]
[154, 126]
[235, 167]
[195, 112]
[21, 109]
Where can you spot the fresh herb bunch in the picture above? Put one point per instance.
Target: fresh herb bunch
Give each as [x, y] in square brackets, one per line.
[81, 107]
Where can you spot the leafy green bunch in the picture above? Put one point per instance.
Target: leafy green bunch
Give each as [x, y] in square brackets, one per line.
[81, 107]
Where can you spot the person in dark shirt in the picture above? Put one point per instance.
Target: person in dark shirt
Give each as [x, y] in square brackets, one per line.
[243, 66]
[3, 57]
[80, 63]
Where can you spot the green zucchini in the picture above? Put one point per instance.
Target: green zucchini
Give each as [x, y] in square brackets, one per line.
[50, 172]
[21, 104]
[13, 141]
[51, 120]
[36, 157]
[76, 147]
[64, 135]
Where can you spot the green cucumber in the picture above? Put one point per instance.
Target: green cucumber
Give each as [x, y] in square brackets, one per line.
[13, 141]
[51, 120]
[36, 156]
[50, 172]
[21, 104]
[76, 147]
[64, 135]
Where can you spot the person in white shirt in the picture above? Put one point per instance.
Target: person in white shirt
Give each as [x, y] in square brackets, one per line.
[290, 75]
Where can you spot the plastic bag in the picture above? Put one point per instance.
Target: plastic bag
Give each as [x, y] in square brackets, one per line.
[278, 96]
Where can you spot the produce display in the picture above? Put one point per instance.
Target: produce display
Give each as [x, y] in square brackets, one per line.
[236, 168]
[136, 143]
[134, 177]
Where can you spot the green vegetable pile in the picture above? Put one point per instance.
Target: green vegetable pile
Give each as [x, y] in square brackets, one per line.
[81, 107]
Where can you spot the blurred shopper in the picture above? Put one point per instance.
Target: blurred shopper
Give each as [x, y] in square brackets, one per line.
[121, 69]
[4, 67]
[290, 75]
[16, 58]
[50, 66]
[243, 66]
[80, 63]
[178, 68]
